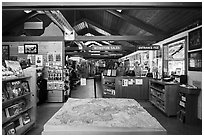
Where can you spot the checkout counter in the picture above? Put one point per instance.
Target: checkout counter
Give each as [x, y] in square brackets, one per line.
[126, 87]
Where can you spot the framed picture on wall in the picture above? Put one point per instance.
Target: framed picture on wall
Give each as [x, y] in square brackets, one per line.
[195, 39]
[5, 52]
[30, 48]
[195, 61]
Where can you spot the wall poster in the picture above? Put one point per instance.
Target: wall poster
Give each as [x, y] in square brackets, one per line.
[5, 52]
[195, 61]
[39, 60]
[195, 39]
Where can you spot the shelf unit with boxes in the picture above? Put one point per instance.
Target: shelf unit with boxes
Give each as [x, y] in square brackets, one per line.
[164, 96]
[19, 103]
[55, 84]
[109, 87]
[109, 77]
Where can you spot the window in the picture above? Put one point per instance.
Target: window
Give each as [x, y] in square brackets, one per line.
[174, 61]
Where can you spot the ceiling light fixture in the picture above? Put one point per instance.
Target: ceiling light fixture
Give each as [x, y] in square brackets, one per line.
[27, 11]
[119, 10]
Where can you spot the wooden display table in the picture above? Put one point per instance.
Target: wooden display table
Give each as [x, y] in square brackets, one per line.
[102, 116]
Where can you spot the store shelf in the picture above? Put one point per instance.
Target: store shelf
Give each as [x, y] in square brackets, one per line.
[157, 106]
[157, 97]
[55, 89]
[109, 85]
[15, 79]
[12, 117]
[6, 103]
[166, 99]
[157, 89]
[25, 128]
[194, 50]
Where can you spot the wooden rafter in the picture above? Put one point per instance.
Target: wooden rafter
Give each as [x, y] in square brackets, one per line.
[117, 38]
[138, 23]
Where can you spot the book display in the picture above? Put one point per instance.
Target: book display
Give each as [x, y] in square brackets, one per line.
[18, 103]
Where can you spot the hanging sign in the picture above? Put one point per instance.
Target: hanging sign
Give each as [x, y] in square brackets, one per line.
[151, 47]
[107, 48]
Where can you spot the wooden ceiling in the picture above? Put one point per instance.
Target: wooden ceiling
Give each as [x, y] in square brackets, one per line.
[137, 23]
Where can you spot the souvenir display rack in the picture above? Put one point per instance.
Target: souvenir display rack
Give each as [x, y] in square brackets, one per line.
[109, 77]
[19, 103]
[55, 84]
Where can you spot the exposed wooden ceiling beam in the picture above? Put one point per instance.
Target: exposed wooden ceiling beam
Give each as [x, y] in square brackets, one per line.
[20, 21]
[57, 17]
[138, 23]
[96, 5]
[32, 38]
[111, 32]
[117, 38]
[88, 55]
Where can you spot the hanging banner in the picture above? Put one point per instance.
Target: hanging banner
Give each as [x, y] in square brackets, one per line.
[151, 47]
[107, 48]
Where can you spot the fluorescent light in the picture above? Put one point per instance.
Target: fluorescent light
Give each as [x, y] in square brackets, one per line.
[27, 11]
[96, 54]
[94, 51]
[119, 10]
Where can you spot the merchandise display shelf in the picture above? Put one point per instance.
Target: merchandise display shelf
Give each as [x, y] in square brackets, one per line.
[157, 89]
[25, 128]
[6, 103]
[19, 102]
[14, 116]
[165, 99]
[157, 97]
[15, 79]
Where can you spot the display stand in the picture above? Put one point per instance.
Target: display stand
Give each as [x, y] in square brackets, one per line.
[19, 106]
[55, 84]
[109, 87]
[164, 96]
[187, 105]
